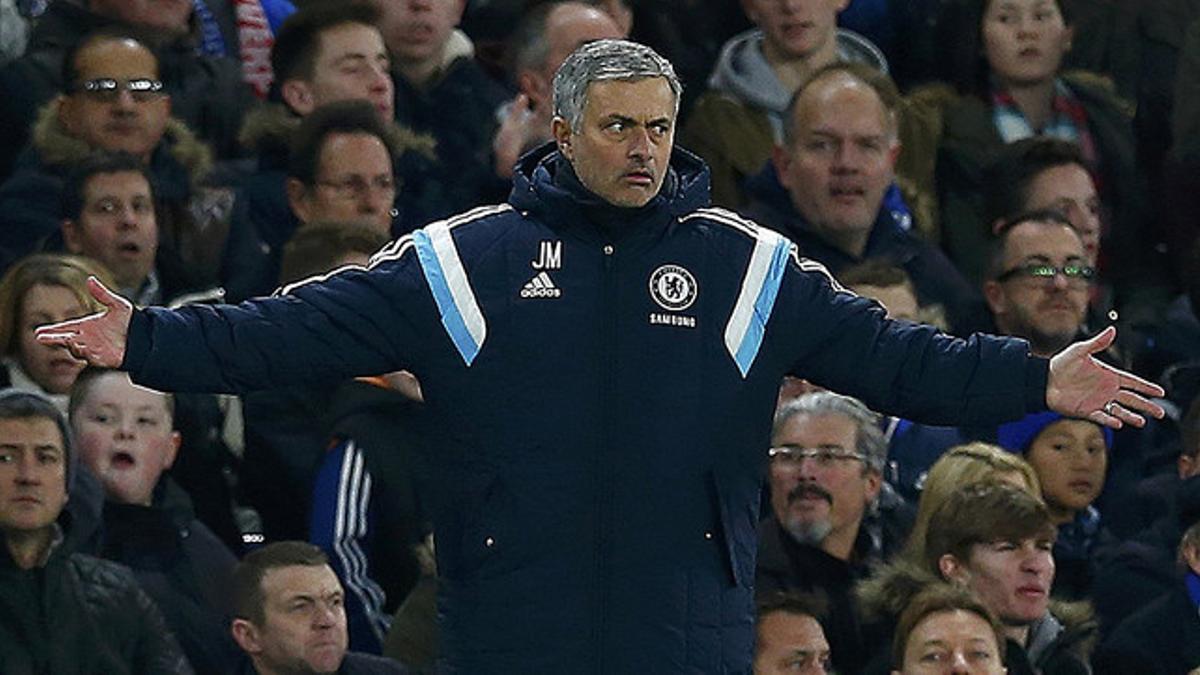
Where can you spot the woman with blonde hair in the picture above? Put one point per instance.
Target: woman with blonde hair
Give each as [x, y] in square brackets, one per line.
[36, 290]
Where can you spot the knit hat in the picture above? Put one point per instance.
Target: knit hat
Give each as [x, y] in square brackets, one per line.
[1018, 436]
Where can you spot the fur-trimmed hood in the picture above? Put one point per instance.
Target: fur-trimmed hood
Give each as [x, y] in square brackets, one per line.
[268, 131]
[56, 147]
[883, 595]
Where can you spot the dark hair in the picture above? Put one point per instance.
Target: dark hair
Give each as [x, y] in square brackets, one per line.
[294, 54]
[17, 404]
[877, 80]
[248, 598]
[879, 272]
[1189, 430]
[794, 602]
[70, 64]
[86, 381]
[999, 240]
[1014, 168]
[959, 39]
[982, 513]
[92, 165]
[935, 599]
[344, 117]
[316, 247]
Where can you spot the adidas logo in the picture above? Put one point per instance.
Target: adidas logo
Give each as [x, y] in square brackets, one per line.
[541, 287]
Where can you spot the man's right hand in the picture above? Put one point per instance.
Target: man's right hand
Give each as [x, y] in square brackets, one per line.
[98, 338]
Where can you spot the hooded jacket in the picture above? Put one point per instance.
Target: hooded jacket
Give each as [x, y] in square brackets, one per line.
[601, 382]
[734, 125]
[78, 614]
[31, 200]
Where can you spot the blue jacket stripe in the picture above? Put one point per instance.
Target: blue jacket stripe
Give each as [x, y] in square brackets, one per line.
[448, 282]
[744, 333]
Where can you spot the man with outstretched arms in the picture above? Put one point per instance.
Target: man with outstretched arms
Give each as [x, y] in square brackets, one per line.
[603, 354]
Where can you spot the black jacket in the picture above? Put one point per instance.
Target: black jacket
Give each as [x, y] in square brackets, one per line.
[1163, 638]
[601, 448]
[354, 664]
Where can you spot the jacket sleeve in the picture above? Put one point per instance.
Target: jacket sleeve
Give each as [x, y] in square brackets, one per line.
[355, 322]
[844, 342]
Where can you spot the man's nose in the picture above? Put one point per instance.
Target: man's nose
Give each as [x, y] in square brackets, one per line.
[25, 471]
[959, 665]
[639, 144]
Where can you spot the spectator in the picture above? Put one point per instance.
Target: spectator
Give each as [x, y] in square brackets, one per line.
[1164, 637]
[1004, 62]
[741, 117]
[125, 437]
[547, 33]
[442, 91]
[243, 30]
[995, 539]
[912, 447]
[42, 289]
[207, 94]
[109, 216]
[326, 53]
[827, 527]
[64, 611]
[288, 615]
[1070, 458]
[113, 100]
[789, 637]
[829, 176]
[946, 629]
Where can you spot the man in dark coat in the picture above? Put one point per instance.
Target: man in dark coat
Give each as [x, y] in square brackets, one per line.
[63, 611]
[596, 502]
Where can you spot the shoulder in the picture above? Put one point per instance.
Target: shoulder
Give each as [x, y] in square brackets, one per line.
[357, 663]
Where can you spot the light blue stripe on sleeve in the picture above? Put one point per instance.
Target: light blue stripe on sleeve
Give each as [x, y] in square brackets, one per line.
[764, 303]
[447, 281]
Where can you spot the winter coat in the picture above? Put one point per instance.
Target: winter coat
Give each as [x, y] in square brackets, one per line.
[602, 382]
[1163, 638]
[79, 614]
[182, 566]
[207, 93]
[31, 200]
[353, 664]
[933, 275]
[735, 124]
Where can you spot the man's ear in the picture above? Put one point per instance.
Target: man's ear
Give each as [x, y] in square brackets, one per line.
[561, 130]
[461, 6]
[781, 158]
[952, 569]
[173, 451]
[297, 196]
[994, 294]
[298, 96]
[245, 634]
[72, 236]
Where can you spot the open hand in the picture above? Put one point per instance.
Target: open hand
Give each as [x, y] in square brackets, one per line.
[1082, 386]
[97, 338]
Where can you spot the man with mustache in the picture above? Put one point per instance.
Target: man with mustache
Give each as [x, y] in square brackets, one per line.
[826, 185]
[827, 525]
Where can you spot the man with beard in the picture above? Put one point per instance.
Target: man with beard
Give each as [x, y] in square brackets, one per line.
[828, 523]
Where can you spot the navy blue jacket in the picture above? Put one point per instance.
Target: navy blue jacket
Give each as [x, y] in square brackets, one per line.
[603, 420]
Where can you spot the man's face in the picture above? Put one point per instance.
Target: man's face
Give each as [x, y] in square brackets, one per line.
[304, 624]
[170, 16]
[1012, 578]
[952, 641]
[50, 366]
[841, 159]
[124, 433]
[790, 643]
[623, 148]
[568, 26]
[353, 184]
[796, 29]
[417, 30]
[1069, 189]
[33, 484]
[1047, 312]
[1071, 460]
[120, 120]
[1024, 40]
[351, 64]
[812, 499]
[116, 226]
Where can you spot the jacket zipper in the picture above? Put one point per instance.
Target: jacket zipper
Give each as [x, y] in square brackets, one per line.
[603, 464]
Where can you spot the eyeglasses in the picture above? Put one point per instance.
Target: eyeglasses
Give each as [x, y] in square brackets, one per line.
[791, 456]
[108, 90]
[1075, 274]
[354, 187]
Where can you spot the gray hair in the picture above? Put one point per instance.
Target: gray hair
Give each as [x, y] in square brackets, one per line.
[606, 60]
[868, 437]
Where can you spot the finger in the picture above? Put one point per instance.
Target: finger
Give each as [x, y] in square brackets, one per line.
[46, 337]
[1104, 419]
[1132, 401]
[104, 296]
[1141, 386]
[1101, 341]
[1128, 416]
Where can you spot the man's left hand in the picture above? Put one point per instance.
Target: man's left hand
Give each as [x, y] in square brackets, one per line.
[1082, 386]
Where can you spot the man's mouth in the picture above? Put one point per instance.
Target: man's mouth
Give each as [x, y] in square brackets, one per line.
[129, 249]
[1031, 591]
[122, 460]
[643, 177]
[808, 492]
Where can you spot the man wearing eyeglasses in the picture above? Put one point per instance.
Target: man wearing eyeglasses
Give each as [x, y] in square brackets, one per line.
[827, 525]
[1037, 285]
